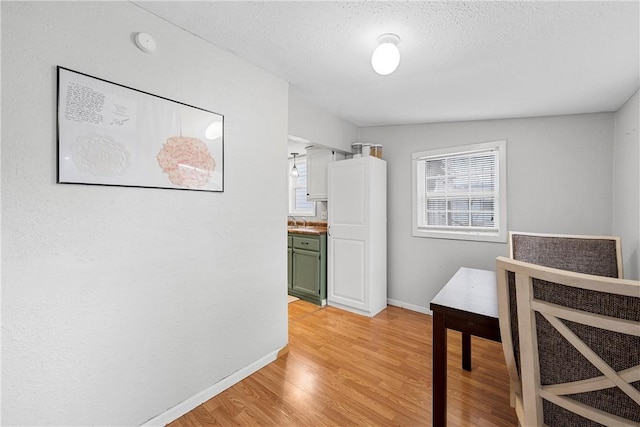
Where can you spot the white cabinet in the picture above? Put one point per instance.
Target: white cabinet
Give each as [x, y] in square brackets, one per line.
[317, 161]
[357, 235]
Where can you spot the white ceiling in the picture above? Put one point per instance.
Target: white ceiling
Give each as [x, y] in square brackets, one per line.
[459, 60]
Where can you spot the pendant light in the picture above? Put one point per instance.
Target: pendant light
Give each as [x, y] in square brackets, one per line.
[294, 169]
[386, 57]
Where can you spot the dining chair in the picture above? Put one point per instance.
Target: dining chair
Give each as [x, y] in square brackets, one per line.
[597, 255]
[579, 345]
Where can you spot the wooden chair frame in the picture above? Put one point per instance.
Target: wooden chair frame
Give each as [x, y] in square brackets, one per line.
[529, 405]
[503, 302]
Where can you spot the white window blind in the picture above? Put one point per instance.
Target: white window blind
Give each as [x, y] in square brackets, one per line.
[458, 192]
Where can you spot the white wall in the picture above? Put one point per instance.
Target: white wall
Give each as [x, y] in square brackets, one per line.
[119, 303]
[319, 127]
[626, 185]
[559, 181]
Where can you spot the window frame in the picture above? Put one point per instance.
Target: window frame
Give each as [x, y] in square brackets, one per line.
[497, 234]
[293, 186]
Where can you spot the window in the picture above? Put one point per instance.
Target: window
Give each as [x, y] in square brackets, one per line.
[298, 203]
[461, 193]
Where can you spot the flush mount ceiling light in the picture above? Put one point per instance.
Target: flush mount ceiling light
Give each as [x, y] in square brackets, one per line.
[294, 169]
[386, 57]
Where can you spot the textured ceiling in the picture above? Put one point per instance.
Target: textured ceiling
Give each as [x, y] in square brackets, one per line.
[459, 60]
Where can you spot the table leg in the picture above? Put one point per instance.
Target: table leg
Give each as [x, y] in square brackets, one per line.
[439, 343]
[466, 352]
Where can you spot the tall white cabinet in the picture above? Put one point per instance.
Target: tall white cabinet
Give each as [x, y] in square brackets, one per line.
[357, 235]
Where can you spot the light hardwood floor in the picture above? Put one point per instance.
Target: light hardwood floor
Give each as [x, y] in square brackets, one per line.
[343, 369]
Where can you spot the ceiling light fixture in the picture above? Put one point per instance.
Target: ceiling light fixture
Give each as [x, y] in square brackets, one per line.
[386, 57]
[294, 169]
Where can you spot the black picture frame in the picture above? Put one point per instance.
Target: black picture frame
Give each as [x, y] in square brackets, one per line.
[110, 134]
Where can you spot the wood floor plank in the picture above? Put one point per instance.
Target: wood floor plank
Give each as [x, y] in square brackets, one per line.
[343, 369]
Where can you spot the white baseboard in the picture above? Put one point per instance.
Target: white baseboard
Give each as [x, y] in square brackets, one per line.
[180, 409]
[412, 307]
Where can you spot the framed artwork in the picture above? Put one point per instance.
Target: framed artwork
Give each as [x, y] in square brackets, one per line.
[109, 134]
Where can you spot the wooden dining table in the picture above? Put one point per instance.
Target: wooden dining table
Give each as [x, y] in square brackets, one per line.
[467, 303]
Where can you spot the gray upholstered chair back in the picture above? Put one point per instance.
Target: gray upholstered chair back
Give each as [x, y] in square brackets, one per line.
[557, 307]
[596, 255]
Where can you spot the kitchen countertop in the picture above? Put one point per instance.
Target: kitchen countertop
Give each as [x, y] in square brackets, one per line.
[315, 231]
[314, 228]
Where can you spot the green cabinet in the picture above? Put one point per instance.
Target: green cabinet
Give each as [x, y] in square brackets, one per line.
[308, 267]
[290, 263]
